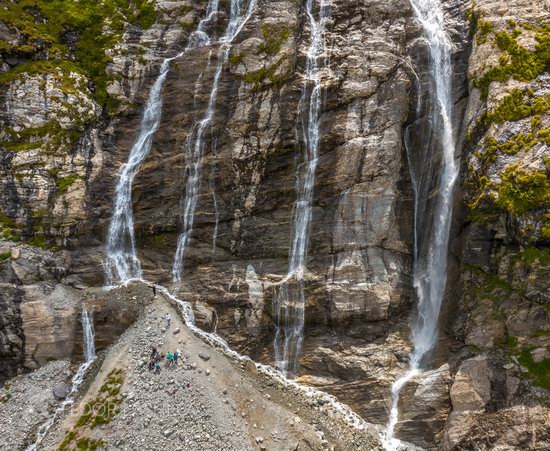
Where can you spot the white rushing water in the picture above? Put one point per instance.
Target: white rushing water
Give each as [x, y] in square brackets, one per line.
[122, 262]
[89, 335]
[430, 267]
[289, 302]
[78, 378]
[194, 147]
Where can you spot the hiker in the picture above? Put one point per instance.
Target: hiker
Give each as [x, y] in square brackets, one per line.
[157, 368]
[168, 358]
[175, 357]
[168, 318]
[153, 353]
[154, 291]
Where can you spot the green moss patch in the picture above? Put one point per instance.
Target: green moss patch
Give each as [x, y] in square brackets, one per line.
[539, 372]
[5, 395]
[64, 183]
[51, 137]
[4, 256]
[521, 191]
[518, 105]
[490, 284]
[274, 37]
[516, 61]
[8, 229]
[265, 73]
[96, 26]
[100, 410]
[532, 255]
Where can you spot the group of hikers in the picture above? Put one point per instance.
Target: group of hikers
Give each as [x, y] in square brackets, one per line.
[156, 359]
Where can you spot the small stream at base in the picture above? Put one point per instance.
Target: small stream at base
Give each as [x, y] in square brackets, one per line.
[89, 358]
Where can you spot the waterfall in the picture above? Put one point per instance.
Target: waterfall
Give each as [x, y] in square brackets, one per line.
[289, 302]
[194, 146]
[78, 378]
[122, 262]
[89, 335]
[431, 238]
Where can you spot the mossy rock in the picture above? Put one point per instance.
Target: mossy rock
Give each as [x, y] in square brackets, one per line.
[98, 26]
[516, 62]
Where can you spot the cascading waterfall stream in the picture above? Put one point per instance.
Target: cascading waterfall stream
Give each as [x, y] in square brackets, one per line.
[289, 302]
[430, 266]
[122, 262]
[89, 335]
[89, 357]
[196, 141]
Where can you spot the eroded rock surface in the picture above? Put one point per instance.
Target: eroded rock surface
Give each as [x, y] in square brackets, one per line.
[62, 144]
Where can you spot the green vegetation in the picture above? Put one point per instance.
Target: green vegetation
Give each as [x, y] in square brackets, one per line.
[82, 443]
[532, 255]
[4, 256]
[274, 37]
[103, 408]
[9, 230]
[5, 396]
[516, 61]
[100, 410]
[521, 191]
[539, 373]
[518, 105]
[265, 73]
[64, 183]
[484, 27]
[489, 283]
[97, 26]
[235, 58]
[50, 135]
[511, 341]
[38, 241]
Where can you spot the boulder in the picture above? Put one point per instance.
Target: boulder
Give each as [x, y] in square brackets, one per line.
[61, 391]
[471, 389]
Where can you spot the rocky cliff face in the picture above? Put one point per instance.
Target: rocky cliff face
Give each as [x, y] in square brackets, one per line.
[68, 125]
[502, 313]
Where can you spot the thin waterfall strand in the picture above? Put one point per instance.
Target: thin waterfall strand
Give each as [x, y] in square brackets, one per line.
[289, 301]
[430, 270]
[122, 262]
[76, 382]
[89, 335]
[195, 143]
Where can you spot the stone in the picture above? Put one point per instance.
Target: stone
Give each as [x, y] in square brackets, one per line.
[61, 391]
[471, 388]
[204, 356]
[540, 354]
